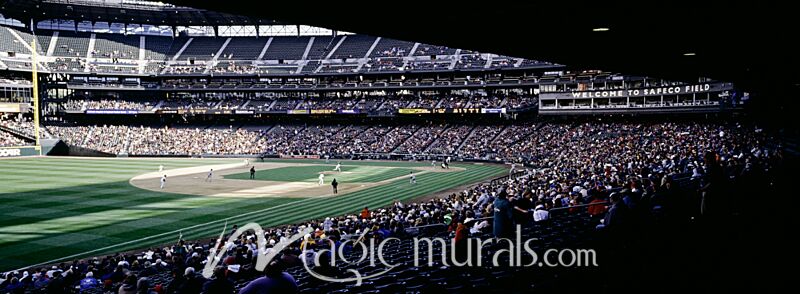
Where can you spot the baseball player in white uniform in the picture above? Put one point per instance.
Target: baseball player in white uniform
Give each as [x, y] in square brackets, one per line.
[163, 181]
[338, 167]
[161, 168]
[321, 179]
[413, 178]
[210, 175]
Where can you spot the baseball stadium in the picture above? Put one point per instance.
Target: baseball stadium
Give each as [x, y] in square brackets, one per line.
[189, 147]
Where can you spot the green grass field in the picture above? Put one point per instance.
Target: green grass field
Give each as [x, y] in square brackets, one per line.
[69, 208]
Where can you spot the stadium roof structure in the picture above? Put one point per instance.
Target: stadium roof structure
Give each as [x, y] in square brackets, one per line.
[124, 11]
[747, 43]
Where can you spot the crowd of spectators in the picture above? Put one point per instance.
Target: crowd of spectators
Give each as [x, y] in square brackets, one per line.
[231, 103]
[339, 103]
[392, 52]
[475, 146]
[21, 125]
[193, 141]
[362, 139]
[389, 104]
[186, 69]
[514, 102]
[420, 140]
[501, 147]
[383, 64]
[141, 140]
[522, 143]
[635, 165]
[449, 140]
[72, 135]
[79, 104]
[322, 136]
[7, 139]
[233, 68]
[423, 102]
[277, 138]
[391, 140]
[110, 139]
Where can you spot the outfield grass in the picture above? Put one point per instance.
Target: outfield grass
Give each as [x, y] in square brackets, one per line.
[53, 207]
[310, 173]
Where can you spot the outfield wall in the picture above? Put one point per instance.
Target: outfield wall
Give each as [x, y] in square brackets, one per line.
[18, 151]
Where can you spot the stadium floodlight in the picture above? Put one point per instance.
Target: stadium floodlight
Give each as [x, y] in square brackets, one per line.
[600, 29]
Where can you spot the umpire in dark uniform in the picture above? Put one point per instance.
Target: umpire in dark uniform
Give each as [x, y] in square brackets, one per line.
[335, 184]
[252, 172]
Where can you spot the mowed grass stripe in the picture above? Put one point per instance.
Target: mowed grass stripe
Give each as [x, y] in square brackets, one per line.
[154, 202]
[122, 230]
[48, 254]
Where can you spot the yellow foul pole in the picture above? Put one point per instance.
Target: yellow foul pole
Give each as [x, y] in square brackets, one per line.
[35, 97]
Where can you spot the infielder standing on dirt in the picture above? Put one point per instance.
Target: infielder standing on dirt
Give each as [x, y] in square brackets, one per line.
[321, 179]
[163, 181]
[210, 174]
